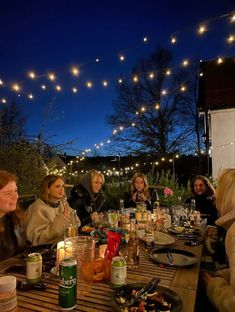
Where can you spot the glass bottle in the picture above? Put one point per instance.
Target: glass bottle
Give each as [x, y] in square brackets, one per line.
[149, 231]
[133, 247]
[121, 206]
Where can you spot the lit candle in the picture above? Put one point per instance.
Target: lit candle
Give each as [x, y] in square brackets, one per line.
[102, 249]
[60, 254]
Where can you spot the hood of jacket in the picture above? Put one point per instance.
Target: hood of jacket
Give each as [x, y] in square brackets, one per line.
[85, 182]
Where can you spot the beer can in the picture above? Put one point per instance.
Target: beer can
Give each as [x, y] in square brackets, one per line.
[118, 272]
[33, 268]
[68, 284]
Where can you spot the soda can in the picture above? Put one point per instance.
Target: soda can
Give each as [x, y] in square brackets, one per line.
[68, 284]
[33, 268]
[118, 272]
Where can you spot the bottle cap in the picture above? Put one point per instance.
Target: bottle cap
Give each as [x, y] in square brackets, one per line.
[7, 283]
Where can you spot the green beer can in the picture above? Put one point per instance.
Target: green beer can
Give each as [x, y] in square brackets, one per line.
[68, 284]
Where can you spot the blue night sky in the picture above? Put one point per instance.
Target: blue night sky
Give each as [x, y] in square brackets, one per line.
[51, 36]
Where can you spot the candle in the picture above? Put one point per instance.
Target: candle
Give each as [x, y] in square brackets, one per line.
[60, 254]
[102, 250]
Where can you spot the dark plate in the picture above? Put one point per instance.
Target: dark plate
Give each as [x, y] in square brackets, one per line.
[46, 250]
[181, 258]
[168, 294]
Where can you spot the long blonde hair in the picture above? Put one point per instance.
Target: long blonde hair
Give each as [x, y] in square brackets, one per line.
[146, 186]
[225, 192]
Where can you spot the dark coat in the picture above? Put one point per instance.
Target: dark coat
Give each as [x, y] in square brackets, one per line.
[129, 202]
[206, 205]
[84, 204]
[12, 239]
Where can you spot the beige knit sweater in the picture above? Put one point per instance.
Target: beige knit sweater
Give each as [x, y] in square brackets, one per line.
[45, 224]
[221, 288]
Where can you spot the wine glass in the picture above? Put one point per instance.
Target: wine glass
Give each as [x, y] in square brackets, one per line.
[113, 216]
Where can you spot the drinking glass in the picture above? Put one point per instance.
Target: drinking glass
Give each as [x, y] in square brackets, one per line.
[70, 230]
[113, 216]
[83, 249]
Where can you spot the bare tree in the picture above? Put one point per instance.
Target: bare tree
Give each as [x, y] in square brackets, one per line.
[152, 120]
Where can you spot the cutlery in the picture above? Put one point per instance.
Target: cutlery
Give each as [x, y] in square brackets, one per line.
[170, 257]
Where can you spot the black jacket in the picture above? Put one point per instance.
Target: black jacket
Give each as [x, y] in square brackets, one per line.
[81, 200]
[12, 240]
[205, 204]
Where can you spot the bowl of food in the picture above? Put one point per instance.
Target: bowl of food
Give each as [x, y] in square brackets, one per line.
[159, 299]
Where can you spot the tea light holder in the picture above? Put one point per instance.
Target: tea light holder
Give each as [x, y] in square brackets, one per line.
[60, 255]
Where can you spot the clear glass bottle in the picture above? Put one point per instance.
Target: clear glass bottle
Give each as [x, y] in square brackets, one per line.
[121, 206]
[133, 247]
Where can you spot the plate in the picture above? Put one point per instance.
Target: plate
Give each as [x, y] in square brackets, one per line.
[180, 258]
[163, 239]
[46, 250]
[177, 229]
[168, 294]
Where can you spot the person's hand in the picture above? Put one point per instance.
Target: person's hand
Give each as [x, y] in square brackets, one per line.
[66, 209]
[97, 217]
[206, 278]
[133, 196]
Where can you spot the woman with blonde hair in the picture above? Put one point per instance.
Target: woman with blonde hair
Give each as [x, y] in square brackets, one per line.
[12, 218]
[87, 197]
[47, 216]
[221, 286]
[139, 192]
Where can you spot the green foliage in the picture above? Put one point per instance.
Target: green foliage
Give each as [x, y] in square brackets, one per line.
[165, 180]
[23, 160]
[114, 191]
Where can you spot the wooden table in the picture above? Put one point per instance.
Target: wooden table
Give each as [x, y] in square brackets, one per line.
[183, 281]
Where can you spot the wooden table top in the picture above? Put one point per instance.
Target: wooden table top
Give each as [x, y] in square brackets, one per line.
[183, 281]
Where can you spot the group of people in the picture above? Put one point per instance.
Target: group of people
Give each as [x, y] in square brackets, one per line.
[44, 220]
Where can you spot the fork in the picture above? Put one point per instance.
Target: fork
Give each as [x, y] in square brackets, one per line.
[170, 257]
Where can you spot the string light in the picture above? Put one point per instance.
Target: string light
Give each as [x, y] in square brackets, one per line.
[151, 75]
[232, 20]
[122, 58]
[105, 83]
[75, 71]
[3, 100]
[145, 39]
[89, 84]
[30, 96]
[202, 29]
[75, 90]
[97, 60]
[43, 87]
[135, 78]
[58, 88]
[16, 87]
[220, 60]
[173, 40]
[32, 75]
[168, 72]
[182, 88]
[157, 106]
[120, 80]
[185, 62]
[231, 39]
[1, 82]
[51, 76]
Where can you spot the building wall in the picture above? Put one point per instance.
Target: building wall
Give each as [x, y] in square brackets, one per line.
[222, 131]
